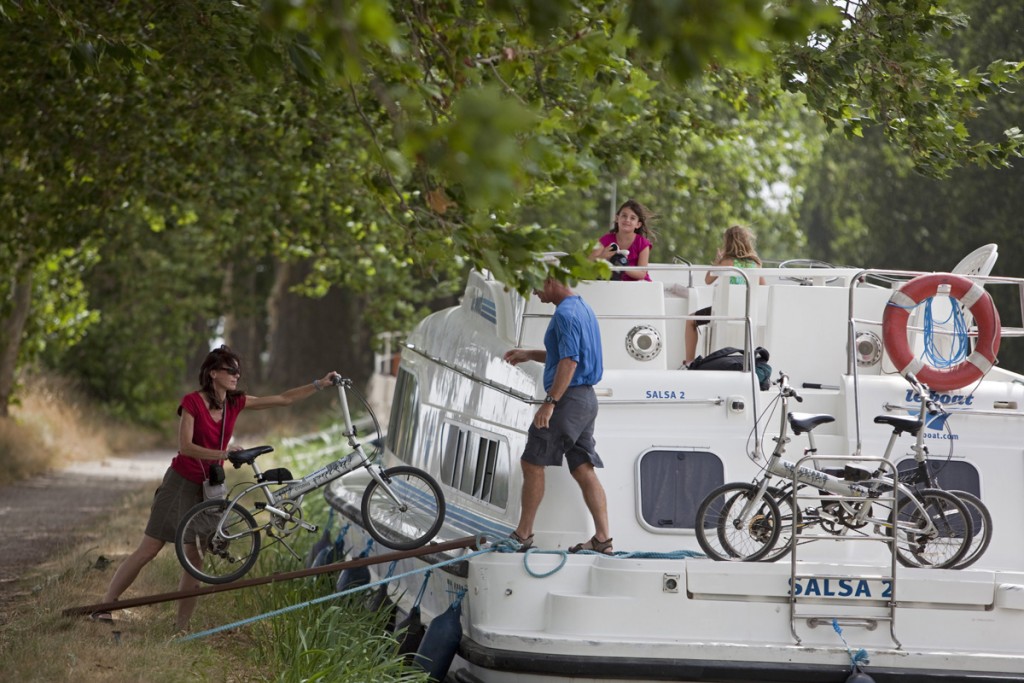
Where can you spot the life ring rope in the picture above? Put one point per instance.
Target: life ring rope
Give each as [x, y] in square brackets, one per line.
[970, 296]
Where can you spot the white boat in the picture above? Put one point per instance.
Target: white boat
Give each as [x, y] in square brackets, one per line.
[659, 609]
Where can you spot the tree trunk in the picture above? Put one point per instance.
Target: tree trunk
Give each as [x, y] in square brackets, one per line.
[245, 328]
[307, 337]
[11, 331]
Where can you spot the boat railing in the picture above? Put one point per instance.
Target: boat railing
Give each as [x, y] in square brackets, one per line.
[893, 280]
[744, 317]
[793, 273]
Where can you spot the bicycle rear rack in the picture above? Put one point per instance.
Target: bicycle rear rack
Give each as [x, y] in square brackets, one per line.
[855, 613]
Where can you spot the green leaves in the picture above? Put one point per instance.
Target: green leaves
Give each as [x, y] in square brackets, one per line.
[483, 149]
[392, 145]
[690, 35]
[885, 67]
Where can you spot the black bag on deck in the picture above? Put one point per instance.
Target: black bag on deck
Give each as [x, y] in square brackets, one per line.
[731, 358]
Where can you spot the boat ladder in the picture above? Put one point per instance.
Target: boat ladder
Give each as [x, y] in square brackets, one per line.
[815, 607]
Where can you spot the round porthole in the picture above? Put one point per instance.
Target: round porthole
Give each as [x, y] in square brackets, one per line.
[643, 342]
[869, 348]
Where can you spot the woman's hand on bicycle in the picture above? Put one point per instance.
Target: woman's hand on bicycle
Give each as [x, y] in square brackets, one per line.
[232, 451]
[332, 378]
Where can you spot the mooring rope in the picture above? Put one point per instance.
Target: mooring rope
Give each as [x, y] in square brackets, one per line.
[509, 545]
[504, 546]
[332, 596]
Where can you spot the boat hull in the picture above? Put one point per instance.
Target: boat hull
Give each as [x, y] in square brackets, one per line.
[658, 609]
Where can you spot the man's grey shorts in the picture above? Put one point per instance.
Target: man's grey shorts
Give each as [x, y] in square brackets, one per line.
[570, 432]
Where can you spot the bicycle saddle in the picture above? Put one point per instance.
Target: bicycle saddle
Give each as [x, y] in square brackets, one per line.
[247, 455]
[805, 422]
[900, 423]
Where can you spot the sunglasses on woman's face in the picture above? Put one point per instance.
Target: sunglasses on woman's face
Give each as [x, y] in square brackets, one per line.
[234, 372]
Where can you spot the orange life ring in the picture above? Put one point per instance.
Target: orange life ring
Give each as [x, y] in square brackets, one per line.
[971, 296]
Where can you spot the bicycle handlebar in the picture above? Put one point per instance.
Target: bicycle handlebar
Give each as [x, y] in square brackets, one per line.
[924, 394]
[785, 389]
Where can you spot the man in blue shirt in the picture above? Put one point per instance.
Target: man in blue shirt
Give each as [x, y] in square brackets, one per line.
[564, 423]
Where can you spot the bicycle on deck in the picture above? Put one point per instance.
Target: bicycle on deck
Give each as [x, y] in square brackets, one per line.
[836, 516]
[219, 540]
[742, 521]
[923, 476]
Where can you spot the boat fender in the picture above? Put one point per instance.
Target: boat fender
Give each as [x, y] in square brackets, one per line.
[972, 297]
[339, 545]
[410, 633]
[323, 542]
[358, 576]
[350, 578]
[441, 642]
[332, 552]
[381, 602]
[859, 676]
[325, 556]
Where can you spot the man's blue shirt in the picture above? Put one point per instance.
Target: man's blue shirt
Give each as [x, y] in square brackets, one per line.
[573, 333]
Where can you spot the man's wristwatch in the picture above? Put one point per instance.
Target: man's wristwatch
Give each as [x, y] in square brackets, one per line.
[550, 399]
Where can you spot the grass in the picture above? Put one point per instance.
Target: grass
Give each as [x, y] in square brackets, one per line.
[37, 643]
[339, 641]
[53, 424]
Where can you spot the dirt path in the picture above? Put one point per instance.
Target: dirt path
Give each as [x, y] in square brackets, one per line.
[43, 516]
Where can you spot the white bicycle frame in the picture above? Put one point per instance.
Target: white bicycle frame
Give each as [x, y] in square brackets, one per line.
[294, 490]
[793, 472]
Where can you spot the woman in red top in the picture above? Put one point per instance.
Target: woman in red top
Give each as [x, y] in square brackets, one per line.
[204, 432]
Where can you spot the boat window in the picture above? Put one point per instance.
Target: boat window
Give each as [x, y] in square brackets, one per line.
[404, 416]
[673, 484]
[455, 446]
[476, 464]
[951, 475]
[500, 475]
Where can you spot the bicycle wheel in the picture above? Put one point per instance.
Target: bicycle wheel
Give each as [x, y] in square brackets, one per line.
[784, 500]
[414, 518]
[981, 519]
[212, 556]
[915, 545]
[733, 538]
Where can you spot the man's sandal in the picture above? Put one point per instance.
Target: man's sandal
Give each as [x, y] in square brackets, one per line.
[103, 617]
[524, 543]
[595, 545]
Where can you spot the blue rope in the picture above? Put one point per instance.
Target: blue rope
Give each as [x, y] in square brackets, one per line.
[459, 594]
[508, 545]
[855, 659]
[532, 551]
[961, 344]
[505, 545]
[671, 555]
[332, 596]
[423, 587]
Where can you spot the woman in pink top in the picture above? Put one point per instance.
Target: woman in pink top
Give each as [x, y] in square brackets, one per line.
[630, 233]
[204, 432]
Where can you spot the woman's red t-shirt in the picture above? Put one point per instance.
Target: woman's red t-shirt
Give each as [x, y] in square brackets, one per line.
[206, 433]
